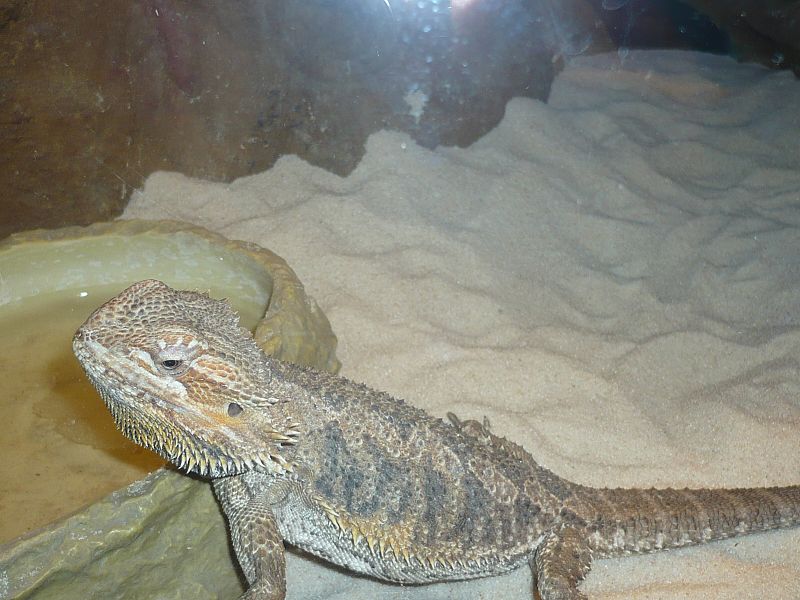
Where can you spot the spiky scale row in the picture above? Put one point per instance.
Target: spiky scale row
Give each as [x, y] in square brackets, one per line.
[395, 541]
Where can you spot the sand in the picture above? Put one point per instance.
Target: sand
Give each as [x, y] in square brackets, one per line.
[613, 278]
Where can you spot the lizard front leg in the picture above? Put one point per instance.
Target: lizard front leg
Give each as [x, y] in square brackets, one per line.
[256, 539]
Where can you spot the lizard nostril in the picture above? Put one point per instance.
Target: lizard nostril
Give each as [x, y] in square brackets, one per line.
[234, 410]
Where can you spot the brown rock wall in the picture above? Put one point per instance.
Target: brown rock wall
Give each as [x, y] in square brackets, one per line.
[97, 95]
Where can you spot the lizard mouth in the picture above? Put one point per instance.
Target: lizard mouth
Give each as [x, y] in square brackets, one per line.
[179, 433]
[141, 415]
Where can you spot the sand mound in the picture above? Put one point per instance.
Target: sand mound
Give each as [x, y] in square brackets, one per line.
[613, 278]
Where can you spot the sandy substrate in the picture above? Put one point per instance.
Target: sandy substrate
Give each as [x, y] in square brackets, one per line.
[612, 277]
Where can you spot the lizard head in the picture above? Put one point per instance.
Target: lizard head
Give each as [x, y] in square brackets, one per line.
[182, 378]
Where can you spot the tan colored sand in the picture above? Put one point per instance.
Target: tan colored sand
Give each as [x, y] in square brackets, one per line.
[613, 278]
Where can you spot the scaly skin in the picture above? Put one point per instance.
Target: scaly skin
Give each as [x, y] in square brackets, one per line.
[362, 479]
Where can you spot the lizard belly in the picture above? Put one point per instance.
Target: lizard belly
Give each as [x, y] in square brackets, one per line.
[309, 529]
[307, 526]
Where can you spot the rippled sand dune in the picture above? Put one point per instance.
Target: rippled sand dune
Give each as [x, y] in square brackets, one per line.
[613, 278]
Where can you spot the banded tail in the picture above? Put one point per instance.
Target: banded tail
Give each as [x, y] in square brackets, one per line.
[602, 523]
[624, 521]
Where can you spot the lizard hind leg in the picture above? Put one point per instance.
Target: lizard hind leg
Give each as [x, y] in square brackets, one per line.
[560, 563]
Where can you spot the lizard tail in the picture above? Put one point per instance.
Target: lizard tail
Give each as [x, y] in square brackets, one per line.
[624, 521]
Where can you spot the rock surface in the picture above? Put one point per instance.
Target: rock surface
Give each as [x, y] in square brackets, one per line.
[163, 536]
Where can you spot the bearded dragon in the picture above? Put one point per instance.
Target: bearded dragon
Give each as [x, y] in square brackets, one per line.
[364, 480]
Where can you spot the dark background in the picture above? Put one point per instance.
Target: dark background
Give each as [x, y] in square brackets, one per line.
[94, 96]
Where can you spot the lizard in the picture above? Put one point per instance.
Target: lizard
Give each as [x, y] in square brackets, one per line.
[361, 479]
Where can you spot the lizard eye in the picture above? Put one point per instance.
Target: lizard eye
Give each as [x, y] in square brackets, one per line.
[172, 366]
[234, 410]
[174, 358]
